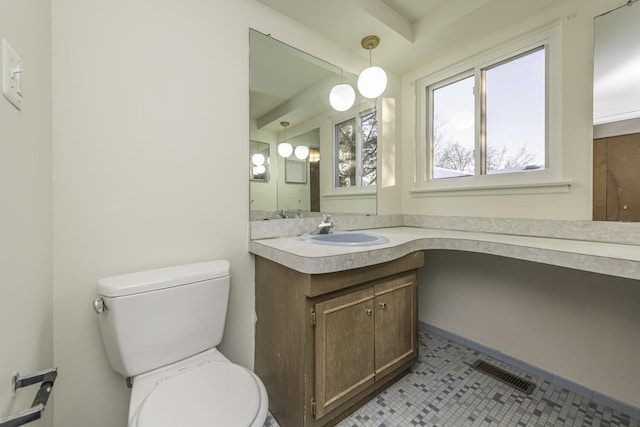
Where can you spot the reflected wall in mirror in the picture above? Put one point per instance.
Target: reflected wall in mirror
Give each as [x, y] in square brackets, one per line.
[288, 85]
[616, 68]
[616, 111]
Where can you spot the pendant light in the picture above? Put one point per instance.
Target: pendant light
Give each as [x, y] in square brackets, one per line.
[284, 148]
[301, 152]
[372, 81]
[342, 96]
[258, 159]
[258, 164]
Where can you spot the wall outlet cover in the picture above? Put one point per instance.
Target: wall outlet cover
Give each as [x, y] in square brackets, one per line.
[11, 75]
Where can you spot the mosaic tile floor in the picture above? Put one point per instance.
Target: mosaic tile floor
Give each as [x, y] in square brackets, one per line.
[444, 390]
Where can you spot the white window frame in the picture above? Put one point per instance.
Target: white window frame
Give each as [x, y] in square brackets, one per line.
[549, 180]
[359, 188]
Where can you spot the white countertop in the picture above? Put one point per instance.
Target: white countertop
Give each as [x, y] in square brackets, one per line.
[607, 258]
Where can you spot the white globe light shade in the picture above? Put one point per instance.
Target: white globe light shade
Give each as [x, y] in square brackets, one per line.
[342, 97]
[260, 169]
[257, 159]
[372, 82]
[302, 152]
[285, 149]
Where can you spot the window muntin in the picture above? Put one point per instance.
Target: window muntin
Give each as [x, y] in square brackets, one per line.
[356, 141]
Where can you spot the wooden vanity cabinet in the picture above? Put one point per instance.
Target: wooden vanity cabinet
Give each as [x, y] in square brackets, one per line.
[326, 343]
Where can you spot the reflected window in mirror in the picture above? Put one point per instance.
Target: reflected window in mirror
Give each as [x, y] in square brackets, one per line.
[295, 171]
[289, 85]
[356, 150]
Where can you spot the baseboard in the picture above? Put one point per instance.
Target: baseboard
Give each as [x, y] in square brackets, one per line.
[594, 395]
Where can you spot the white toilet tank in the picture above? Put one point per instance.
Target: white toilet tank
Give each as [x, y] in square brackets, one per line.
[156, 317]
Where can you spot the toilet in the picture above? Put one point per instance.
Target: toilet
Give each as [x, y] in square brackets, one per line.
[160, 329]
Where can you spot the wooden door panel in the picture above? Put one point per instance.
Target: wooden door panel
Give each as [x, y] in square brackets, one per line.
[396, 319]
[344, 339]
[623, 178]
[616, 178]
[600, 179]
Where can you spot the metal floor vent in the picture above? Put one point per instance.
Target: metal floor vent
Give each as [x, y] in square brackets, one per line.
[504, 376]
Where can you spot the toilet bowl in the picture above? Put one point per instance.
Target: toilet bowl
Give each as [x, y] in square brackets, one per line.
[160, 328]
[203, 390]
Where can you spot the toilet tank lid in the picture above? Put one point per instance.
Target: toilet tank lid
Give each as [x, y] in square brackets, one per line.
[161, 278]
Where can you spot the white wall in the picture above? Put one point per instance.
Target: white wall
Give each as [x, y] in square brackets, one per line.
[576, 18]
[26, 340]
[150, 151]
[580, 326]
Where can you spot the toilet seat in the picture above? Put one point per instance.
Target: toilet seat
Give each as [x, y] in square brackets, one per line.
[216, 393]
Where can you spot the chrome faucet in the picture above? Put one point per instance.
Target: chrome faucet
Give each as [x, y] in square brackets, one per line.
[282, 213]
[325, 226]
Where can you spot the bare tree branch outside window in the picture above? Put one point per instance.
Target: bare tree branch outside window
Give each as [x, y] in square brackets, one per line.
[369, 130]
[450, 154]
[348, 159]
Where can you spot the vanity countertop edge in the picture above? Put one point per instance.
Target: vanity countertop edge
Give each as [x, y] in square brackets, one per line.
[613, 259]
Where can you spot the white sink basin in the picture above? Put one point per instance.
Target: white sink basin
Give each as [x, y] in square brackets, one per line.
[344, 239]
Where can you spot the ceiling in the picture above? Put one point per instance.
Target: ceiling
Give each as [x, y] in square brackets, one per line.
[289, 85]
[410, 31]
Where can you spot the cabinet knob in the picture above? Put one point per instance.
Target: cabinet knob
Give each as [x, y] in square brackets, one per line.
[369, 312]
[383, 305]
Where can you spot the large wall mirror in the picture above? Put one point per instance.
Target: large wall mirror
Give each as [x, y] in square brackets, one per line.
[289, 103]
[616, 110]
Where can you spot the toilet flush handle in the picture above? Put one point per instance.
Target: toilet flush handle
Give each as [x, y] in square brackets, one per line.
[99, 305]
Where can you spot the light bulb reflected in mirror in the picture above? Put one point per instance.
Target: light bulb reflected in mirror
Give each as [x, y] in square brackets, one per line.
[302, 152]
[258, 159]
[342, 97]
[285, 149]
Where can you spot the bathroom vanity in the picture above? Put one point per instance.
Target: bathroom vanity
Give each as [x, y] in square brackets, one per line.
[327, 342]
[295, 278]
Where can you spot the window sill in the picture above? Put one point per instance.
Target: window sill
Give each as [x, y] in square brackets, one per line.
[352, 193]
[441, 190]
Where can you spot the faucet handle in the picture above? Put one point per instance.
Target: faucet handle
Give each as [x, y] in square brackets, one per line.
[326, 217]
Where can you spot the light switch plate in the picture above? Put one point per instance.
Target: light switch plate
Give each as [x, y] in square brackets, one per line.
[11, 75]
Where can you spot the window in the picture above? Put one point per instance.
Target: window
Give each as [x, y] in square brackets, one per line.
[511, 130]
[356, 148]
[452, 123]
[514, 99]
[493, 120]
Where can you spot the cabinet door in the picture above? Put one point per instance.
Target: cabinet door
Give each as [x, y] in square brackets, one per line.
[396, 338]
[344, 353]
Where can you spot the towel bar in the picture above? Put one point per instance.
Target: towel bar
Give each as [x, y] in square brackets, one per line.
[47, 378]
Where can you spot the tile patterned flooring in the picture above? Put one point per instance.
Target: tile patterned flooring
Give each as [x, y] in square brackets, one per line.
[444, 390]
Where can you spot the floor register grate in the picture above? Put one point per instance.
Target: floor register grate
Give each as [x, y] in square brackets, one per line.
[506, 377]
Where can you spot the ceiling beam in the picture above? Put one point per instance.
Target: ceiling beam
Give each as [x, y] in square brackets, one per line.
[307, 103]
[389, 17]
